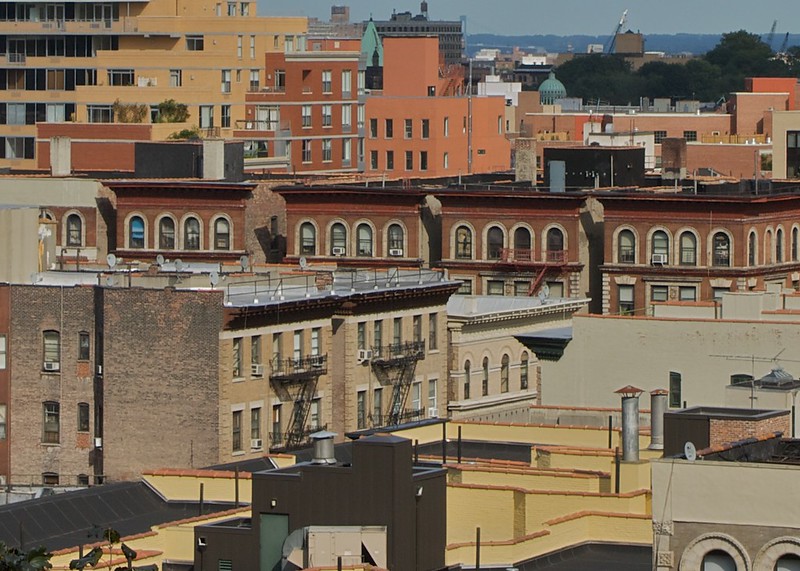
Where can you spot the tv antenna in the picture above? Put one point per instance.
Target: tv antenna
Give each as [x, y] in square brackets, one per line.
[753, 359]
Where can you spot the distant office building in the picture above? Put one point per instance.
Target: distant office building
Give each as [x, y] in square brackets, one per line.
[449, 32]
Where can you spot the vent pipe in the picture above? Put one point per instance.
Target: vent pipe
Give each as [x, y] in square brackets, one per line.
[630, 422]
[323, 448]
[658, 404]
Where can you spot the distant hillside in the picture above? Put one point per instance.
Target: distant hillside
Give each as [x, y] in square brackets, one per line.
[669, 43]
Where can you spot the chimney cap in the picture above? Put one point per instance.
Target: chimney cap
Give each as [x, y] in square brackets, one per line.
[629, 391]
[322, 435]
[657, 392]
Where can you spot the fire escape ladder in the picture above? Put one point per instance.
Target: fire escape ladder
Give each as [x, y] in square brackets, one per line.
[295, 381]
[303, 397]
[395, 366]
[537, 280]
[400, 389]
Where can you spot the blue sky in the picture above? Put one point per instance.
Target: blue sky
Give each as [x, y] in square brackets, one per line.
[563, 17]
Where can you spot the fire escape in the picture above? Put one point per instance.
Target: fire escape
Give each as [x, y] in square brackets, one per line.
[295, 381]
[522, 260]
[394, 365]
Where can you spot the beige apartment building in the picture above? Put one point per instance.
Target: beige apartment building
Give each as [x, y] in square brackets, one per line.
[72, 61]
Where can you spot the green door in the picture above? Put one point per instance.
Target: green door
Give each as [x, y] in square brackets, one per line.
[274, 531]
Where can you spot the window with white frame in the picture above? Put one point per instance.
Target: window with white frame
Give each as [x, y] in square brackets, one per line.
[308, 239]
[222, 234]
[347, 78]
[306, 116]
[347, 116]
[327, 86]
[433, 386]
[2, 352]
[327, 150]
[346, 152]
[225, 116]
[254, 80]
[306, 150]
[225, 85]
[327, 115]
[51, 433]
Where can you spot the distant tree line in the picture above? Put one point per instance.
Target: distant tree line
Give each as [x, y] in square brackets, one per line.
[708, 78]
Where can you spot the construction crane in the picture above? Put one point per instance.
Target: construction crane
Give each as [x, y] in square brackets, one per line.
[609, 48]
[784, 44]
[771, 35]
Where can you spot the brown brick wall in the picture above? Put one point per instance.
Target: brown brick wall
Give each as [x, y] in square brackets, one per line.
[160, 379]
[261, 207]
[726, 431]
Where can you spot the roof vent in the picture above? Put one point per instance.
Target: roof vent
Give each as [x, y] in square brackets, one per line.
[323, 448]
[776, 377]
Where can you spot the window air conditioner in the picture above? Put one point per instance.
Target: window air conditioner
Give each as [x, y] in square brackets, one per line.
[433, 412]
[660, 259]
[257, 369]
[338, 251]
[98, 442]
[255, 443]
[396, 252]
[364, 355]
[52, 366]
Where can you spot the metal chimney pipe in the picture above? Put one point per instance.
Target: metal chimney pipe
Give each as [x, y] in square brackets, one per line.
[658, 404]
[323, 448]
[630, 422]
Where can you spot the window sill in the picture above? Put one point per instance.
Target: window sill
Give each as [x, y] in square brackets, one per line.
[238, 453]
[51, 444]
[238, 379]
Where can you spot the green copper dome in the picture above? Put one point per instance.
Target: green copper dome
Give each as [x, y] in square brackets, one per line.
[551, 89]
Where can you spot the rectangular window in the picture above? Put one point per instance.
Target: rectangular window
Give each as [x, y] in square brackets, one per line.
[690, 135]
[718, 292]
[377, 406]
[327, 115]
[659, 136]
[231, 8]
[426, 128]
[433, 332]
[361, 336]
[674, 389]
[409, 160]
[280, 80]
[373, 160]
[83, 346]
[225, 84]
[100, 113]
[625, 293]
[255, 350]
[2, 421]
[244, 10]
[327, 150]
[361, 410]
[276, 437]
[389, 160]
[2, 352]
[52, 423]
[288, 44]
[236, 431]
[306, 149]
[236, 360]
[239, 45]
[252, 44]
[346, 152]
[389, 128]
[397, 331]
[327, 86]
[277, 347]
[225, 116]
[55, 79]
[255, 426]
[659, 293]
[465, 288]
[206, 116]
[373, 128]
[255, 83]
[347, 117]
[521, 288]
[15, 114]
[523, 372]
[194, 43]
[417, 328]
[687, 293]
[446, 161]
[423, 160]
[446, 126]
[432, 394]
[315, 414]
[495, 287]
[416, 396]
[377, 334]
[316, 341]
[347, 79]
[360, 112]
[409, 130]
[298, 346]
[175, 78]
[83, 417]
[56, 112]
[52, 350]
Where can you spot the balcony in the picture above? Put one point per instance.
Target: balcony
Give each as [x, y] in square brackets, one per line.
[278, 439]
[299, 369]
[411, 415]
[267, 126]
[556, 256]
[388, 354]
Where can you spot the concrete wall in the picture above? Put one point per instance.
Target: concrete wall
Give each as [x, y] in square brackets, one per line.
[19, 244]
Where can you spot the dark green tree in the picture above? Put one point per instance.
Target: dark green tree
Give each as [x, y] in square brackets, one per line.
[13, 559]
[742, 54]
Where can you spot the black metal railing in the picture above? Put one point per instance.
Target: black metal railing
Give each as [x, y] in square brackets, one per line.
[311, 364]
[279, 439]
[401, 418]
[399, 350]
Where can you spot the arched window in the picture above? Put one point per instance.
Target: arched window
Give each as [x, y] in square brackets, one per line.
[51, 350]
[166, 234]
[395, 239]
[74, 231]
[523, 371]
[222, 234]
[555, 245]
[788, 562]
[626, 247]
[485, 381]
[136, 232]
[494, 243]
[364, 235]
[522, 245]
[718, 560]
[795, 239]
[779, 246]
[463, 243]
[467, 373]
[751, 249]
[504, 367]
[338, 239]
[768, 254]
[308, 239]
[722, 250]
[660, 248]
[191, 234]
[688, 249]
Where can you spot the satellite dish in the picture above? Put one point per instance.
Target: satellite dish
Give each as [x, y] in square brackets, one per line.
[160, 260]
[244, 261]
[178, 265]
[110, 281]
[546, 290]
[214, 278]
[303, 262]
[112, 260]
[690, 452]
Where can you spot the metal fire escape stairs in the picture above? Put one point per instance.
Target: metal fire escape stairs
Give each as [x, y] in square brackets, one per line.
[295, 381]
[394, 366]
